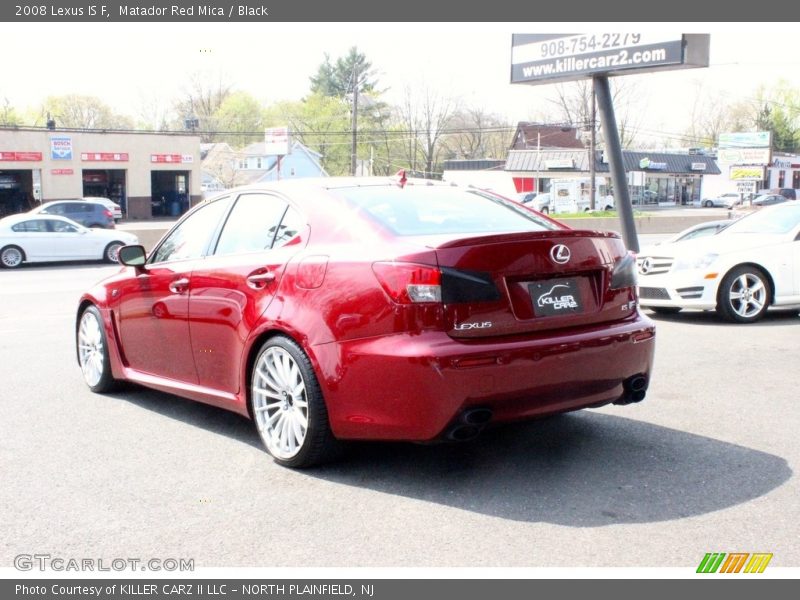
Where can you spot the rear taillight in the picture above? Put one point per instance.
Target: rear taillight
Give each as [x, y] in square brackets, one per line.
[624, 274]
[409, 283]
[108, 213]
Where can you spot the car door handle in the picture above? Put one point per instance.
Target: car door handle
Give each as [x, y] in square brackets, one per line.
[259, 280]
[179, 285]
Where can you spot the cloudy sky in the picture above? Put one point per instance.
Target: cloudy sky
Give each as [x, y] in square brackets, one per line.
[126, 64]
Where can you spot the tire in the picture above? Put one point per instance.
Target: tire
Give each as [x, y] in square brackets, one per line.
[744, 295]
[92, 347]
[608, 208]
[665, 310]
[12, 257]
[708, 204]
[288, 408]
[545, 210]
[111, 253]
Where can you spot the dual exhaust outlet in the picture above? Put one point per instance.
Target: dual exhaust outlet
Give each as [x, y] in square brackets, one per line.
[469, 424]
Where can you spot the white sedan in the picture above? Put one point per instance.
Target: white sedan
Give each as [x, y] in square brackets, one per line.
[47, 238]
[740, 272]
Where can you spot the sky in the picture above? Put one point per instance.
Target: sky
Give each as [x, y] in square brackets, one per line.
[126, 64]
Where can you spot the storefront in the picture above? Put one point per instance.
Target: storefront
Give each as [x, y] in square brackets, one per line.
[148, 175]
[653, 178]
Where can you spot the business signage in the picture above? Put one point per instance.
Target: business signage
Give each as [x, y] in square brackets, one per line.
[747, 173]
[646, 163]
[745, 139]
[61, 148]
[62, 172]
[698, 166]
[20, 156]
[166, 158]
[562, 163]
[547, 58]
[277, 141]
[104, 156]
[745, 156]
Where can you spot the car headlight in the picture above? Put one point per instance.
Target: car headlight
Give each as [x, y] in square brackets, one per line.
[695, 262]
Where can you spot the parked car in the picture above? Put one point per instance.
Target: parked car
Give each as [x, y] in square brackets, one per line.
[115, 208]
[742, 271]
[86, 212]
[788, 193]
[767, 200]
[542, 202]
[371, 309]
[728, 200]
[526, 197]
[699, 230]
[29, 238]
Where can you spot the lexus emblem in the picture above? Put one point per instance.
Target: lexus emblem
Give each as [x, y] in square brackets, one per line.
[646, 265]
[560, 254]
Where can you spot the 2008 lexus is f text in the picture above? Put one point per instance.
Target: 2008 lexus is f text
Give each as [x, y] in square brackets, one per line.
[371, 309]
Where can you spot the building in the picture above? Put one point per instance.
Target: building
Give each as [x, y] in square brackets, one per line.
[148, 174]
[653, 177]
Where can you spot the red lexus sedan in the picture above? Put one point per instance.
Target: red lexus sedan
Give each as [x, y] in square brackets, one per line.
[371, 309]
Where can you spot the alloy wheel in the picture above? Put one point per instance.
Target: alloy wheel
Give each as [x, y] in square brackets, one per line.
[747, 295]
[91, 349]
[11, 257]
[280, 402]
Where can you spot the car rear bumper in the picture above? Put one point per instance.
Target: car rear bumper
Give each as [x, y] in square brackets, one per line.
[413, 386]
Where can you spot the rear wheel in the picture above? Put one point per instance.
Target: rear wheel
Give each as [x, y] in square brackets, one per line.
[544, 210]
[111, 253]
[93, 352]
[708, 204]
[11, 257]
[288, 408]
[744, 295]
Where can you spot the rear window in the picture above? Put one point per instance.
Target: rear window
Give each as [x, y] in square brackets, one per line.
[432, 210]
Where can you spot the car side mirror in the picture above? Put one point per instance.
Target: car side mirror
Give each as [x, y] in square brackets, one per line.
[132, 256]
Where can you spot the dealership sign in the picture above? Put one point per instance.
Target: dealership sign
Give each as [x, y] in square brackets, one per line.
[747, 173]
[745, 139]
[61, 148]
[744, 156]
[646, 163]
[546, 58]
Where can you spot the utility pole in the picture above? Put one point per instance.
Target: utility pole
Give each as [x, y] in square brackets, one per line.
[353, 155]
[593, 154]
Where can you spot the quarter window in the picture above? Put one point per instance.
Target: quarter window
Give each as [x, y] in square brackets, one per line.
[36, 226]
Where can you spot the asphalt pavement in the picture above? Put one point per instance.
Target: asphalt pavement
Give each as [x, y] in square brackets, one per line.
[705, 464]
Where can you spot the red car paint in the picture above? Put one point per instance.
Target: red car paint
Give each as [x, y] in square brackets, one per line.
[388, 368]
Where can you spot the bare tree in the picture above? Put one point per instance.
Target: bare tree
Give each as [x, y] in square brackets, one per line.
[83, 112]
[477, 133]
[574, 107]
[426, 115]
[201, 98]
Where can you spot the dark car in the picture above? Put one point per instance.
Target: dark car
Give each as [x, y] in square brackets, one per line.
[788, 193]
[86, 212]
[768, 200]
[371, 309]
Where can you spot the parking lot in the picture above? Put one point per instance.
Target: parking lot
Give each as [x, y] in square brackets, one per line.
[705, 464]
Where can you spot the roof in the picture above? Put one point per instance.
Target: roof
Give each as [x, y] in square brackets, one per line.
[537, 135]
[480, 164]
[538, 161]
[259, 149]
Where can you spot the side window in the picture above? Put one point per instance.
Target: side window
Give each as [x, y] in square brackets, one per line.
[54, 209]
[252, 224]
[291, 225]
[35, 226]
[191, 237]
[62, 227]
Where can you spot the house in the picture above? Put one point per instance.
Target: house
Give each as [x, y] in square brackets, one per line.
[536, 136]
[254, 165]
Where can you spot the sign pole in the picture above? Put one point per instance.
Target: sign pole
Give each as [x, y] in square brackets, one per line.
[615, 163]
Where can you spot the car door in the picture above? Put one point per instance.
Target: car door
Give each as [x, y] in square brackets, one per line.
[33, 236]
[154, 305]
[70, 242]
[232, 287]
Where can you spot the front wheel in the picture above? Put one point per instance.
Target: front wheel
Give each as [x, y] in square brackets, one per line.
[744, 295]
[288, 408]
[11, 257]
[93, 352]
[111, 253]
[544, 210]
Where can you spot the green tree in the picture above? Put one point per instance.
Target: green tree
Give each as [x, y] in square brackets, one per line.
[239, 119]
[8, 115]
[779, 113]
[82, 112]
[339, 79]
